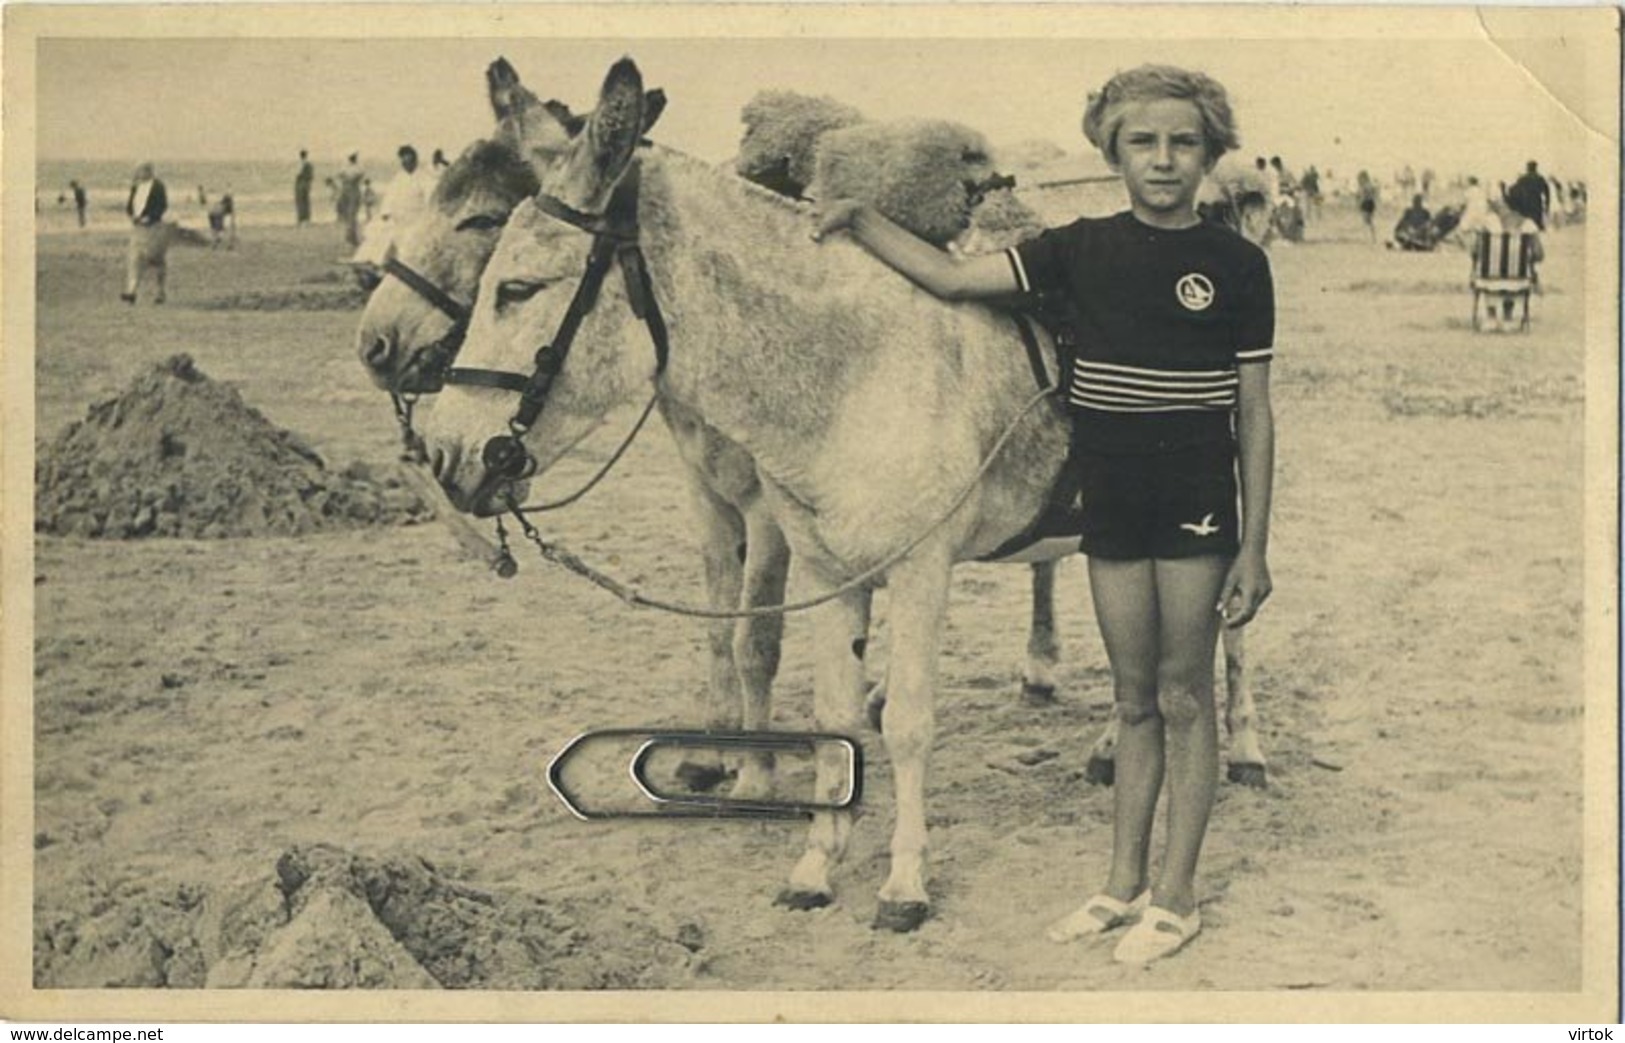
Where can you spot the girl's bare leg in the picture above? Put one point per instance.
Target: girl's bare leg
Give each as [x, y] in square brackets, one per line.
[1125, 600]
[1187, 591]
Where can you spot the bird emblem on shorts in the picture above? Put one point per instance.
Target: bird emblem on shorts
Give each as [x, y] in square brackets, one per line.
[1195, 291]
[1205, 527]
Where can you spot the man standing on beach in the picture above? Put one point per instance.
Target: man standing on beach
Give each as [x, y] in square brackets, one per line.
[1530, 197]
[80, 200]
[404, 198]
[301, 189]
[348, 204]
[149, 238]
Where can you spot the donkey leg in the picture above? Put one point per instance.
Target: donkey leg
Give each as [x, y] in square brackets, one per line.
[919, 602]
[838, 702]
[1043, 650]
[1240, 718]
[757, 641]
[722, 546]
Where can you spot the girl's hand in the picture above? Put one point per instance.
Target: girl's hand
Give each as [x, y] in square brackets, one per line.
[833, 216]
[1246, 586]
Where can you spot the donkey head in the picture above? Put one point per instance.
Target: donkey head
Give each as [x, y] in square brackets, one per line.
[404, 333]
[532, 281]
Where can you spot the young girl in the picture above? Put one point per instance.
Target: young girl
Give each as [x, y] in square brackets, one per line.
[1170, 398]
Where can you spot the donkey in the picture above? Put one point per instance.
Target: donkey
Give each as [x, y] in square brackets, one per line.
[412, 326]
[746, 558]
[869, 409]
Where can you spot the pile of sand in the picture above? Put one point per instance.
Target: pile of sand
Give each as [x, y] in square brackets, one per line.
[180, 455]
[330, 918]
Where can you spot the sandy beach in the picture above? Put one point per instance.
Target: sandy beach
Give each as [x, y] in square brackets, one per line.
[211, 712]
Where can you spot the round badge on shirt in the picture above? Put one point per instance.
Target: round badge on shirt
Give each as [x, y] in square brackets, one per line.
[1195, 291]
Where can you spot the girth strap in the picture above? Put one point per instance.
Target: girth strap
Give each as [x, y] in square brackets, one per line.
[1035, 355]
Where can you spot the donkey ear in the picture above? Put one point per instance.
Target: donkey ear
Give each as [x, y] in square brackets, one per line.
[508, 97]
[602, 153]
[571, 123]
[617, 123]
[654, 103]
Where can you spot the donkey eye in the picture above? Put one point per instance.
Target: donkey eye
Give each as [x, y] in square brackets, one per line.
[512, 291]
[482, 222]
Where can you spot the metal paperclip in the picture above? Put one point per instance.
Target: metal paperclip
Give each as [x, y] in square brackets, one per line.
[690, 806]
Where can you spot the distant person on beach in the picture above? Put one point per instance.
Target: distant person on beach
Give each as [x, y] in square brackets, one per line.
[1365, 192]
[223, 222]
[1476, 215]
[1284, 182]
[404, 198]
[1310, 183]
[1530, 197]
[301, 189]
[149, 239]
[348, 203]
[1414, 230]
[81, 201]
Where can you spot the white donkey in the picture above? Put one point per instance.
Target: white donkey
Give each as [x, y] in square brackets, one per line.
[866, 406]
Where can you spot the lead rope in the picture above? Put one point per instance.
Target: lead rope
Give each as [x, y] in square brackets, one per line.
[561, 556]
[626, 443]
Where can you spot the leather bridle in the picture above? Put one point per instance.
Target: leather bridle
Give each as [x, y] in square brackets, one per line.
[614, 244]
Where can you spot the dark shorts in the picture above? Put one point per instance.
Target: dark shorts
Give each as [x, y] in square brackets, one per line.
[1180, 504]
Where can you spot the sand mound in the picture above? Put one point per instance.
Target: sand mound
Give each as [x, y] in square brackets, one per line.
[180, 455]
[333, 919]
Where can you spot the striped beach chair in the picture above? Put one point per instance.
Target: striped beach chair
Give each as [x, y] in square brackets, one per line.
[1503, 277]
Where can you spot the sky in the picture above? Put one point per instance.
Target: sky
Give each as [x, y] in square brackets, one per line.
[1467, 104]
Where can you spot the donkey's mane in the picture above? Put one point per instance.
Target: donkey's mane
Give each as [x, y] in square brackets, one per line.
[487, 164]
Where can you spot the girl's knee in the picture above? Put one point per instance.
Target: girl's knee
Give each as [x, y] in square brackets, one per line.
[1184, 703]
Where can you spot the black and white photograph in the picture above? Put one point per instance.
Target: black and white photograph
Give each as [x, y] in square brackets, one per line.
[876, 512]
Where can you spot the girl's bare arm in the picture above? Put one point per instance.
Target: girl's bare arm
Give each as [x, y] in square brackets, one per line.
[1248, 583]
[942, 275]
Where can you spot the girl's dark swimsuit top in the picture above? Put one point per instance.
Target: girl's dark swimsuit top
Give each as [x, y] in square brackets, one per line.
[1161, 318]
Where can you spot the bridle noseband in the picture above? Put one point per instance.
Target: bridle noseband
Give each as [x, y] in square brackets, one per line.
[426, 373]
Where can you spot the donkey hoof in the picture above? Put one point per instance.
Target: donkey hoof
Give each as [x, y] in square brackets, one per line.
[701, 778]
[1100, 771]
[900, 917]
[1248, 775]
[1037, 694]
[802, 901]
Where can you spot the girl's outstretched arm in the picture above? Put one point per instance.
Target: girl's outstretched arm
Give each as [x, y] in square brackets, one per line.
[945, 276]
[1248, 582]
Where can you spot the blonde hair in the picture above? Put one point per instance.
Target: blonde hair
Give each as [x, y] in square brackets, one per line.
[1103, 114]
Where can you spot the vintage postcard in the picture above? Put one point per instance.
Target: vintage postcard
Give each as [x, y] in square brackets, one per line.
[865, 512]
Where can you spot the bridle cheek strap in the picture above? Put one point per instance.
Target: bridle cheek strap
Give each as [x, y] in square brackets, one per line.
[615, 243]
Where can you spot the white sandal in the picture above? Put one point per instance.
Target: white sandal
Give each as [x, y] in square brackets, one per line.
[1088, 919]
[1159, 933]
